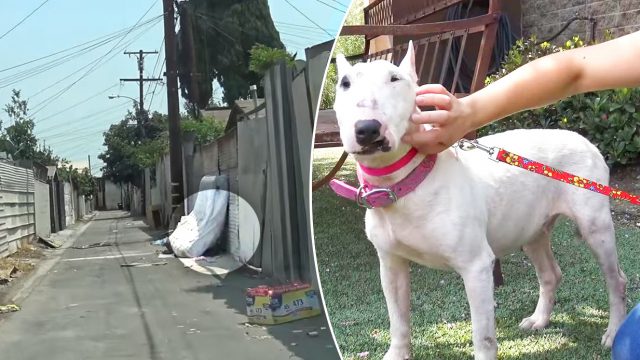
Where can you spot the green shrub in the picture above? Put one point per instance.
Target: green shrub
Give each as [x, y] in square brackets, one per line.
[609, 119]
[206, 129]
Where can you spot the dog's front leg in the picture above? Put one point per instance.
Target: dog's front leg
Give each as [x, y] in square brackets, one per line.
[394, 274]
[478, 283]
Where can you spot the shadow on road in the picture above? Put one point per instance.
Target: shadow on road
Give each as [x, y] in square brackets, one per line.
[294, 335]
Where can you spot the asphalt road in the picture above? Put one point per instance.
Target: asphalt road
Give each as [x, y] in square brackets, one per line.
[87, 306]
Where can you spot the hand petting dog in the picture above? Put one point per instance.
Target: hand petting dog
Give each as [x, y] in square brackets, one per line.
[608, 65]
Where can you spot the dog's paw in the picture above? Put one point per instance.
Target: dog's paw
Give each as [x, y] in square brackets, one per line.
[533, 323]
[397, 354]
[609, 335]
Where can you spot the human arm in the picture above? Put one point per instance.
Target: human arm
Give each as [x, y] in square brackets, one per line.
[611, 64]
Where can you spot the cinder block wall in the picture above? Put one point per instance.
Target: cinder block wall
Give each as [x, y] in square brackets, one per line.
[545, 17]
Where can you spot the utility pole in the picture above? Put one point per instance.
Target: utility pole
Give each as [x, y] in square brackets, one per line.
[89, 158]
[141, 79]
[173, 109]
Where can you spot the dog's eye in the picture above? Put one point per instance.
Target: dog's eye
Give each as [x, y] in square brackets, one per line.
[394, 78]
[345, 83]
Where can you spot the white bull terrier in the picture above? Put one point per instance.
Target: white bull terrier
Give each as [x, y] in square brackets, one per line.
[459, 210]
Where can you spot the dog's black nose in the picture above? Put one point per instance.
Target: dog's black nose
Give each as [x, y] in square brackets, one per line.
[367, 131]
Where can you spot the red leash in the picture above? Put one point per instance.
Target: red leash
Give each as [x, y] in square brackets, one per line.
[548, 171]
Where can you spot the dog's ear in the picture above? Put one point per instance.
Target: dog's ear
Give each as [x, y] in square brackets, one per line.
[408, 63]
[342, 65]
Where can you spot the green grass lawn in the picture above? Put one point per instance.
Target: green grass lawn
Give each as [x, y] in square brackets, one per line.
[441, 327]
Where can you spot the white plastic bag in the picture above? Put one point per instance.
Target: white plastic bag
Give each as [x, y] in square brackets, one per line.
[201, 229]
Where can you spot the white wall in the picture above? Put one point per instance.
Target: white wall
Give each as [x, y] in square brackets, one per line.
[69, 211]
[43, 208]
[112, 195]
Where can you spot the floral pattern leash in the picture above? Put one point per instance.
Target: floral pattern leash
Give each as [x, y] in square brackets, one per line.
[510, 158]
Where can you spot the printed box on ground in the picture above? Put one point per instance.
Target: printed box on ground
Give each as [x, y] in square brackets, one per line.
[280, 304]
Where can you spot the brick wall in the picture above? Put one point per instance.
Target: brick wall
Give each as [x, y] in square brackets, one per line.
[545, 17]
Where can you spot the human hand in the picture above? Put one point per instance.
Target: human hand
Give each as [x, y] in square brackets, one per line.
[450, 121]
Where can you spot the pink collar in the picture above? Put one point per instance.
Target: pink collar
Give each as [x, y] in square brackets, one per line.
[371, 196]
[390, 169]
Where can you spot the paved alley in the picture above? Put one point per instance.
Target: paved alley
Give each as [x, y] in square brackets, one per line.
[87, 306]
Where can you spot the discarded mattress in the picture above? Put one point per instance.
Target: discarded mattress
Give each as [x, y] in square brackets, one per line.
[201, 229]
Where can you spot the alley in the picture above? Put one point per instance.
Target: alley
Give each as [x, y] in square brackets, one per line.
[87, 306]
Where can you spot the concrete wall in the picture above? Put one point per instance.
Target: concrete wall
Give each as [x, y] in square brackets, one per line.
[545, 17]
[17, 208]
[69, 210]
[112, 195]
[42, 209]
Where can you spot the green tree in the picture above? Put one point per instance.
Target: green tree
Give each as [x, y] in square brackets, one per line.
[20, 132]
[129, 150]
[264, 58]
[223, 33]
[346, 45]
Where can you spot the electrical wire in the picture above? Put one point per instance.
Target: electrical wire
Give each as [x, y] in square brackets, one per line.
[153, 71]
[331, 6]
[308, 18]
[339, 3]
[306, 29]
[91, 43]
[85, 66]
[92, 115]
[76, 104]
[153, 94]
[96, 64]
[324, 38]
[23, 19]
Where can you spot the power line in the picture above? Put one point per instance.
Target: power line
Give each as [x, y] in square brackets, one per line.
[110, 37]
[294, 27]
[308, 18]
[331, 6]
[304, 37]
[86, 66]
[155, 67]
[96, 63]
[153, 94]
[77, 104]
[110, 108]
[339, 3]
[23, 19]
[154, 91]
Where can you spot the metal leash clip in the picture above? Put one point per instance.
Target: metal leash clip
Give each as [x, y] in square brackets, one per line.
[361, 198]
[467, 145]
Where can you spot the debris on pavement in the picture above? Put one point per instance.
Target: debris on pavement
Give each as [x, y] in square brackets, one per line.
[9, 308]
[7, 274]
[50, 242]
[160, 242]
[272, 305]
[137, 264]
[94, 245]
[165, 256]
[313, 333]
[207, 259]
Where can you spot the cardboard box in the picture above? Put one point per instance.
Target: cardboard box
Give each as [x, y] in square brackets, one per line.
[280, 304]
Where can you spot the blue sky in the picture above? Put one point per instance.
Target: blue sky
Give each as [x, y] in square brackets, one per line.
[76, 131]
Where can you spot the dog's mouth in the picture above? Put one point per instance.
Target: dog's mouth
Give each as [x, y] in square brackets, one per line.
[374, 147]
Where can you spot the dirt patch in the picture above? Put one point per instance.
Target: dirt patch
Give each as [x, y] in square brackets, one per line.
[626, 179]
[18, 264]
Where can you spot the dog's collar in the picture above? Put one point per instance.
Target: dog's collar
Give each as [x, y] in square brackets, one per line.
[371, 196]
[389, 169]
